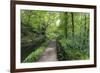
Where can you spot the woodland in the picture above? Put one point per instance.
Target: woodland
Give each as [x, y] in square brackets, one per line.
[69, 30]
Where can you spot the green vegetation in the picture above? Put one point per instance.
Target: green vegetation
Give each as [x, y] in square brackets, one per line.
[69, 29]
[34, 56]
[75, 44]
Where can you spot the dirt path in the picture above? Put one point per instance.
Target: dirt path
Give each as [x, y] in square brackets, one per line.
[50, 53]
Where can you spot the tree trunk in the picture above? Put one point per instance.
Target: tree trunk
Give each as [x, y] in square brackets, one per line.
[72, 15]
[65, 24]
[81, 40]
[84, 40]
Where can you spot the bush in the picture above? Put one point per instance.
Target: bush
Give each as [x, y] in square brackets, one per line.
[70, 50]
[73, 54]
[34, 56]
[29, 47]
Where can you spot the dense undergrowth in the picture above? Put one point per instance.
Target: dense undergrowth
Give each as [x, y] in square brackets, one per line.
[71, 50]
[35, 55]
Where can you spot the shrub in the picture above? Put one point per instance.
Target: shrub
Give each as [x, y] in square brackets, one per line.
[70, 50]
[34, 55]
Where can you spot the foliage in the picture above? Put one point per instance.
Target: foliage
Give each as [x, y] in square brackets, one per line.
[69, 29]
[69, 51]
[34, 55]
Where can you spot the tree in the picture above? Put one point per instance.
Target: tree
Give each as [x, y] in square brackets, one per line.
[72, 15]
[65, 24]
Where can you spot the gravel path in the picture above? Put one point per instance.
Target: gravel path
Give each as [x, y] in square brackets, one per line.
[50, 53]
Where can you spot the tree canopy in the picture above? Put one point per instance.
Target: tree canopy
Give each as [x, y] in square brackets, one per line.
[69, 29]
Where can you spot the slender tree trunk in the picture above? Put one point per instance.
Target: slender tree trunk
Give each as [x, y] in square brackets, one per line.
[81, 40]
[29, 17]
[72, 15]
[84, 40]
[66, 22]
[85, 30]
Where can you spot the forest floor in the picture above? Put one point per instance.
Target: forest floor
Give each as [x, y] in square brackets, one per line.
[50, 53]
